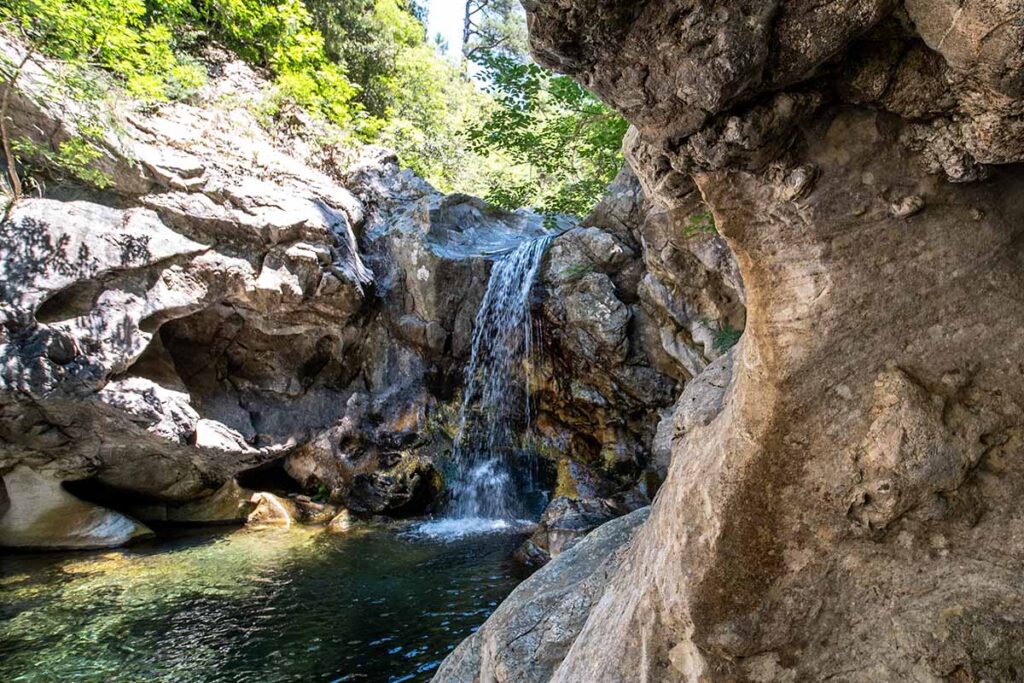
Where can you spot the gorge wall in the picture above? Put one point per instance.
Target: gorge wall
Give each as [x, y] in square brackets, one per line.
[844, 495]
[246, 307]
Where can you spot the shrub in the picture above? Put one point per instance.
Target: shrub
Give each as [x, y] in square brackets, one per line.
[726, 338]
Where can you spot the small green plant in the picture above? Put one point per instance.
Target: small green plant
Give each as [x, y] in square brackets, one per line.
[578, 270]
[726, 338]
[322, 494]
[73, 158]
[702, 223]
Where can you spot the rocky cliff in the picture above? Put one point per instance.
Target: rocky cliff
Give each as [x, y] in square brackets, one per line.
[844, 496]
[252, 305]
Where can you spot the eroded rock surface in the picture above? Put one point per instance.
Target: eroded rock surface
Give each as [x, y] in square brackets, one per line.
[40, 514]
[848, 506]
[241, 312]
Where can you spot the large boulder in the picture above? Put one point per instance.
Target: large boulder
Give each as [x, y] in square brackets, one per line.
[530, 633]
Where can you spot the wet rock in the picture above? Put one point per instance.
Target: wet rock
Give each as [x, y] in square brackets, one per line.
[564, 522]
[407, 489]
[271, 511]
[228, 504]
[341, 524]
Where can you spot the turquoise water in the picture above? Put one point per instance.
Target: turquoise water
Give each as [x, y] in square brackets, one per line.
[254, 606]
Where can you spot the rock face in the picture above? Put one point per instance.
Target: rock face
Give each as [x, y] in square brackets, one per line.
[227, 306]
[848, 505]
[631, 312]
[41, 515]
[530, 633]
[235, 314]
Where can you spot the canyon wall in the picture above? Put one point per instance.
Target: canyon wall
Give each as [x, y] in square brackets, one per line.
[844, 495]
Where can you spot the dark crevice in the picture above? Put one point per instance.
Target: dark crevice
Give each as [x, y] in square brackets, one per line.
[269, 476]
[71, 302]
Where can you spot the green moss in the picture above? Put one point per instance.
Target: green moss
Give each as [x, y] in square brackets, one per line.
[702, 223]
[566, 484]
[578, 270]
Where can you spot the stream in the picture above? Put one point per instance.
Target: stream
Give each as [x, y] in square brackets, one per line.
[380, 604]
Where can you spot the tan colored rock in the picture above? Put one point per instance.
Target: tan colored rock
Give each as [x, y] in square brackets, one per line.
[228, 504]
[41, 514]
[271, 511]
[341, 524]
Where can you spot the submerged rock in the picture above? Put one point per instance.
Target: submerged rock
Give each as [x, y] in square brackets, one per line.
[342, 523]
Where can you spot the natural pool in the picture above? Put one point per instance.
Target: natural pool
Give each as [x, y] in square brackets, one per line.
[380, 604]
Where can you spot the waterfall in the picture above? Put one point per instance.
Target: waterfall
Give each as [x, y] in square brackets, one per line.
[496, 403]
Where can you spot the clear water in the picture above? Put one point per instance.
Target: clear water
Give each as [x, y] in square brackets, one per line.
[489, 470]
[268, 606]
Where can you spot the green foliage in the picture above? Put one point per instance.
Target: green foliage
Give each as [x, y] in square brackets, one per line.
[122, 36]
[145, 44]
[568, 142]
[494, 27]
[282, 37]
[74, 158]
[726, 338]
[413, 99]
[370, 38]
[702, 223]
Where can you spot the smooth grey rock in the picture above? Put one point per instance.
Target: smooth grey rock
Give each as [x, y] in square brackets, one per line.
[529, 634]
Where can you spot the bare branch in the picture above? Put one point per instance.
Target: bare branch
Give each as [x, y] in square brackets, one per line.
[5, 139]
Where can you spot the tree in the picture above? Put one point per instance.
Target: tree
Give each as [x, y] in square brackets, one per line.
[568, 141]
[10, 80]
[494, 27]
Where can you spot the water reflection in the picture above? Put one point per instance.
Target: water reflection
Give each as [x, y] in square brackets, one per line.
[284, 605]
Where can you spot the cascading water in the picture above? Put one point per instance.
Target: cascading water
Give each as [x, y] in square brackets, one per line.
[496, 404]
